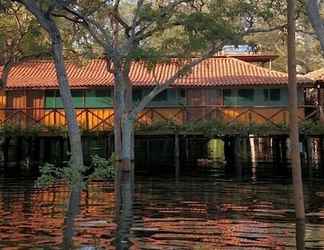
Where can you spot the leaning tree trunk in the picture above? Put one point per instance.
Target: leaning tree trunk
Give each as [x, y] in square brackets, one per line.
[65, 93]
[46, 22]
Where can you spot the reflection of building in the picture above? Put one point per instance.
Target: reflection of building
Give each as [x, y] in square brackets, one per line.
[36, 217]
[222, 87]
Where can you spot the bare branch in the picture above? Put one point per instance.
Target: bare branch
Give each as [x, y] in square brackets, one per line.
[316, 20]
[180, 73]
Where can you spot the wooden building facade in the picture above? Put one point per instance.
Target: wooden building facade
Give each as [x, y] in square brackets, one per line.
[220, 88]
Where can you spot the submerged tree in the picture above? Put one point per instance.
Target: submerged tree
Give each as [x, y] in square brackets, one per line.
[42, 10]
[293, 113]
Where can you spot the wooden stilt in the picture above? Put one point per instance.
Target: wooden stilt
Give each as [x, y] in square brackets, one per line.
[237, 154]
[309, 150]
[62, 149]
[147, 151]
[321, 151]
[284, 149]
[253, 155]
[19, 151]
[177, 154]
[5, 149]
[187, 148]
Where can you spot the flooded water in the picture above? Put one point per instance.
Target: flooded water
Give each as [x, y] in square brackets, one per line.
[201, 210]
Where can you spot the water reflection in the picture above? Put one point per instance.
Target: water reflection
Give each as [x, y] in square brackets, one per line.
[204, 211]
[300, 234]
[72, 212]
[124, 191]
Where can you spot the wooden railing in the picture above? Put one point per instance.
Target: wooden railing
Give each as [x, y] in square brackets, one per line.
[98, 119]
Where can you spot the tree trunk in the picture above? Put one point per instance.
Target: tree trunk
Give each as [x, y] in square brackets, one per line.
[50, 26]
[65, 92]
[293, 118]
[72, 212]
[124, 122]
[124, 193]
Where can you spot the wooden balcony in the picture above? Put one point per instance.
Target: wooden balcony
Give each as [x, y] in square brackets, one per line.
[98, 119]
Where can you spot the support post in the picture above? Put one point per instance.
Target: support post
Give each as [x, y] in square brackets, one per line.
[6, 146]
[177, 154]
[284, 149]
[62, 152]
[309, 150]
[253, 155]
[187, 148]
[237, 154]
[19, 149]
[321, 155]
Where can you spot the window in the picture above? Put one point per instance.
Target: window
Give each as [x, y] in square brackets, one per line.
[246, 96]
[137, 95]
[78, 98]
[50, 99]
[162, 97]
[98, 98]
[182, 93]
[272, 95]
[229, 98]
[181, 97]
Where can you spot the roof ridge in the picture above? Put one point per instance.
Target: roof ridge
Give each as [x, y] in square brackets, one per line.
[259, 67]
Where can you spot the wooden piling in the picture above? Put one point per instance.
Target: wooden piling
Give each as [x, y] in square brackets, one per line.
[177, 154]
[309, 149]
[283, 150]
[19, 151]
[5, 149]
[238, 159]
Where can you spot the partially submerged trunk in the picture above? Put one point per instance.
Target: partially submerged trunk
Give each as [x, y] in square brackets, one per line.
[76, 160]
[124, 197]
[124, 121]
[50, 26]
[69, 220]
[293, 113]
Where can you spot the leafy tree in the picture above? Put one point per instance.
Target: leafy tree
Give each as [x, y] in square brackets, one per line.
[21, 37]
[41, 10]
[155, 32]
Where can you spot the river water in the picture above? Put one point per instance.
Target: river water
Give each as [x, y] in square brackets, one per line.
[199, 210]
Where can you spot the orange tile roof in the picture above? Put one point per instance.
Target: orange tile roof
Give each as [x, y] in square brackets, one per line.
[317, 75]
[211, 72]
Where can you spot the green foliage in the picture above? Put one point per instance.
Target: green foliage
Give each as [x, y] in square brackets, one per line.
[49, 174]
[216, 128]
[15, 130]
[312, 128]
[99, 168]
[102, 168]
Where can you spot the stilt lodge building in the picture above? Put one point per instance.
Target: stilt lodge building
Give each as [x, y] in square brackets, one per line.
[224, 88]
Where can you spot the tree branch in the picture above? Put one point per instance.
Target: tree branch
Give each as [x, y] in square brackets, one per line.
[316, 20]
[180, 73]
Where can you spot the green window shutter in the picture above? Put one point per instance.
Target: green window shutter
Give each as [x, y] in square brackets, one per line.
[50, 99]
[78, 99]
[181, 96]
[229, 97]
[137, 95]
[246, 96]
[98, 98]
[161, 97]
[275, 95]
[266, 95]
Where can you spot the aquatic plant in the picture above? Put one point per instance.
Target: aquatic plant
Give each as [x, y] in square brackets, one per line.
[99, 168]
